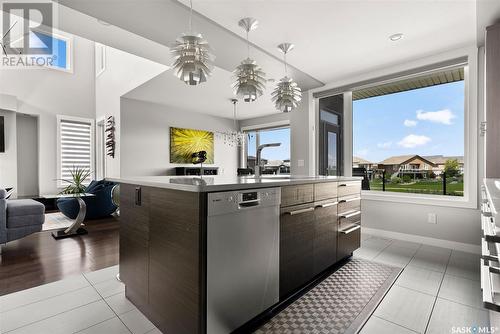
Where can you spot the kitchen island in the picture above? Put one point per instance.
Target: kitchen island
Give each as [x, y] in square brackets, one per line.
[207, 254]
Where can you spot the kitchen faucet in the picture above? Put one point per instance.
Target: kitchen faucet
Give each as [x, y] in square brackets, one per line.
[259, 153]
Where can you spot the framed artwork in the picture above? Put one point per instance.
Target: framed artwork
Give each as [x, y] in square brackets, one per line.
[185, 142]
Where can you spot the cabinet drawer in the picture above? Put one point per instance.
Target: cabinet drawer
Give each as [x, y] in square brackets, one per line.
[348, 242]
[351, 203]
[292, 195]
[325, 190]
[348, 219]
[349, 188]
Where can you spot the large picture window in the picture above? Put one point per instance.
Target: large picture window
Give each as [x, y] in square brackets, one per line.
[408, 135]
[274, 159]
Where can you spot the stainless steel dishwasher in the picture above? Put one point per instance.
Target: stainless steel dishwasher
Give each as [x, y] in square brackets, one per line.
[242, 256]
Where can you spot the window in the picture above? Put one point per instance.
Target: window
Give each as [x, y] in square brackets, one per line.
[75, 146]
[61, 49]
[275, 159]
[411, 132]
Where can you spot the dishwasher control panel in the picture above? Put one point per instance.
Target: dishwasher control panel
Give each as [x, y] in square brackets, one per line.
[231, 201]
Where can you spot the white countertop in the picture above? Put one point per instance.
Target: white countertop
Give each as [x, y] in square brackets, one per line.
[226, 183]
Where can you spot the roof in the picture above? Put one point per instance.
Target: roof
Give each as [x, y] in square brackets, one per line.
[401, 159]
[431, 79]
[359, 160]
[440, 159]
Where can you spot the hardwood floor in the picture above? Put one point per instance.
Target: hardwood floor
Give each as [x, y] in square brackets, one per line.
[39, 258]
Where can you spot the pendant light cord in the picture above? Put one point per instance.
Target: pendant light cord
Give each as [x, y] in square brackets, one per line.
[234, 114]
[248, 45]
[286, 65]
[190, 16]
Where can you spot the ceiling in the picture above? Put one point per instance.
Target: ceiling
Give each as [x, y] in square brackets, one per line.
[335, 39]
[213, 97]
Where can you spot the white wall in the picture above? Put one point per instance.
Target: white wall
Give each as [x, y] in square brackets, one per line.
[123, 73]
[27, 155]
[145, 138]
[47, 93]
[8, 159]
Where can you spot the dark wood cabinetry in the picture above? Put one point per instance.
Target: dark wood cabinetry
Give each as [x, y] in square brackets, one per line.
[325, 236]
[296, 246]
[293, 195]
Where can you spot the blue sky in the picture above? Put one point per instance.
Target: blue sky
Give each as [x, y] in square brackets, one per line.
[274, 136]
[428, 121]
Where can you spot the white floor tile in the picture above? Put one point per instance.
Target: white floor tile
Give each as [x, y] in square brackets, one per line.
[461, 290]
[395, 256]
[407, 308]
[407, 244]
[71, 321]
[33, 312]
[110, 287]
[25, 297]
[431, 258]
[155, 331]
[111, 326]
[464, 265]
[119, 303]
[420, 279]
[366, 253]
[136, 322]
[447, 314]
[377, 325]
[102, 275]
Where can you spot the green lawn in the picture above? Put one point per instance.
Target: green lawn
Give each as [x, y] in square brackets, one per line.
[421, 187]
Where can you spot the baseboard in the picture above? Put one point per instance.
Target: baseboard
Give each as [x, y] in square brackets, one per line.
[460, 246]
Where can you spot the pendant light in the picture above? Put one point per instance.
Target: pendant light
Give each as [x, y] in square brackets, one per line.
[250, 79]
[287, 94]
[233, 137]
[193, 60]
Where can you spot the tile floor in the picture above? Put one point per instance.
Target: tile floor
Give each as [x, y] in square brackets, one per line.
[439, 288]
[92, 303]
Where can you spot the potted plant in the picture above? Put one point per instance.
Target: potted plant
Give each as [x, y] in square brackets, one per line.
[75, 185]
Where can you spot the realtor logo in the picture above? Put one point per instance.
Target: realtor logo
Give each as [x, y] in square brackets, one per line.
[27, 38]
[24, 27]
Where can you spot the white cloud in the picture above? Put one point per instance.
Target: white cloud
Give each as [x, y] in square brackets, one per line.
[411, 141]
[441, 116]
[385, 145]
[409, 123]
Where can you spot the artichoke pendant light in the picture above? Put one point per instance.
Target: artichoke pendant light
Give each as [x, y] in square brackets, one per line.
[250, 79]
[193, 60]
[287, 94]
[233, 137]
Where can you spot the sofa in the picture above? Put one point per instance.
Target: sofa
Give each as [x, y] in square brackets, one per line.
[98, 206]
[19, 217]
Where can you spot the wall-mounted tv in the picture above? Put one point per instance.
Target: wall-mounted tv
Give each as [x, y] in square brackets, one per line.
[2, 135]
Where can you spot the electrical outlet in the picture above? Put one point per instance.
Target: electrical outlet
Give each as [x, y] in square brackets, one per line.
[432, 218]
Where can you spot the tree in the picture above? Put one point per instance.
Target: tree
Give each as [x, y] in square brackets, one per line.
[451, 168]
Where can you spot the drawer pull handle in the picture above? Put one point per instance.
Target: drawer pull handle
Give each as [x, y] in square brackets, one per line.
[350, 200]
[352, 214]
[298, 212]
[351, 229]
[327, 205]
[487, 287]
[343, 185]
[138, 196]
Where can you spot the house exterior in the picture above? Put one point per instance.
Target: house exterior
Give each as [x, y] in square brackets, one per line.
[440, 161]
[358, 162]
[407, 164]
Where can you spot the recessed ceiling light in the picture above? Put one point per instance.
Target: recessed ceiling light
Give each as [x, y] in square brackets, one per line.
[396, 37]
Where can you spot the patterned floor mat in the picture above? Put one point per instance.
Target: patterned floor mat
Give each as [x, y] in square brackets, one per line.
[339, 304]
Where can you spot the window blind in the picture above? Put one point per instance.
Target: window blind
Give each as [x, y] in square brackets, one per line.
[76, 146]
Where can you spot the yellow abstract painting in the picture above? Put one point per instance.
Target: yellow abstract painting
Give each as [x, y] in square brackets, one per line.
[185, 142]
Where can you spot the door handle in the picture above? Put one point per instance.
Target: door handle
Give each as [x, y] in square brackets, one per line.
[349, 215]
[327, 205]
[138, 196]
[298, 212]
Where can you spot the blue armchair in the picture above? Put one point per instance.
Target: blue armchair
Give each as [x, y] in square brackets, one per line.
[98, 206]
[19, 217]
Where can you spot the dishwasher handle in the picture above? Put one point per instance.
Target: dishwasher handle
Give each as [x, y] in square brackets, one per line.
[249, 204]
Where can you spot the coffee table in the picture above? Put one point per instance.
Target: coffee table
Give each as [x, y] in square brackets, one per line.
[77, 227]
